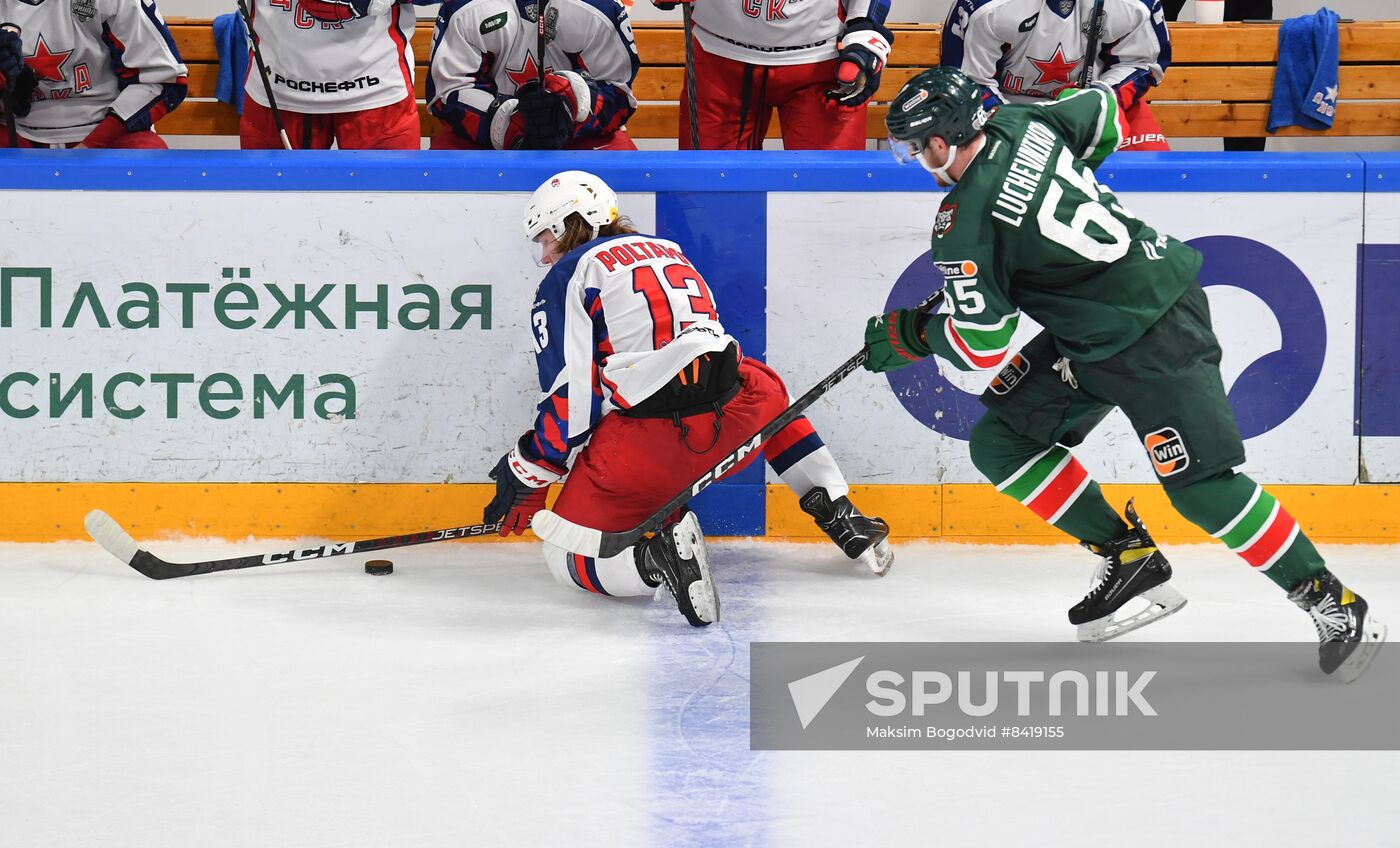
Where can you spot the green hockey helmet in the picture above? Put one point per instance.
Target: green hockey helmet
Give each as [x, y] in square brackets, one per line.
[941, 102]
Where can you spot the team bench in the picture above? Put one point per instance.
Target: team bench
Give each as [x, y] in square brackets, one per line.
[1219, 83]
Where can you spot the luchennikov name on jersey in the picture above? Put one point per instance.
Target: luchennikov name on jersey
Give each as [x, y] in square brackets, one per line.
[1023, 177]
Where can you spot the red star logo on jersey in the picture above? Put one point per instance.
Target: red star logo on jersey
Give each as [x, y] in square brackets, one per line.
[1055, 69]
[46, 64]
[529, 73]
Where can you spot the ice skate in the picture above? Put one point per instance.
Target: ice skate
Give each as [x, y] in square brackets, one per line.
[860, 537]
[1131, 567]
[676, 558]
[1349, 636]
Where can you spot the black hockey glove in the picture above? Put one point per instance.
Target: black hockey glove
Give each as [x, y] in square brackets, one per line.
[668, 5]
[896, 339]
[521, 485]
[864, 48]
[16, 78]
[549, 122]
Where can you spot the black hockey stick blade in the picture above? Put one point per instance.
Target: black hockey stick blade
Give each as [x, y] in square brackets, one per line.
[110, 535]
[590, 542]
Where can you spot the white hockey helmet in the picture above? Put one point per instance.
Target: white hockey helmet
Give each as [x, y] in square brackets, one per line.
[564, 194]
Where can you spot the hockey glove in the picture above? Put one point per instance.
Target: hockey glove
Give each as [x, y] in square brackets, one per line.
[521, 485]
[668, 5]
[339, 11]
[896, 339]
[864, 48]
[16, 78]
[548, 117]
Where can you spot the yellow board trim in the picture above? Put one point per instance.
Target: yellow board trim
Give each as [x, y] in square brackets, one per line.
[38, 512]
[956, 512]
[978, 513]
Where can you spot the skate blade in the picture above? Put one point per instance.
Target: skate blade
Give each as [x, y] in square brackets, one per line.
[704, 598]
[1162, 601]
[878, 558]
[1360, 659]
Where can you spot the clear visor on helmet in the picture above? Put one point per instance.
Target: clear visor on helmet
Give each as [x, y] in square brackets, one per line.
[905, 151]
[539, 245]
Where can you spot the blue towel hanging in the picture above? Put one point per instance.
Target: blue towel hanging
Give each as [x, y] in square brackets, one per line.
[1305, 86]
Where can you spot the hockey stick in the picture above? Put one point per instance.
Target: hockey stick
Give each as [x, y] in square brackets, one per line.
[540, 41]
[262, 72]
[693, 109]
[107, 533]
[589, 542]
[1091, 53]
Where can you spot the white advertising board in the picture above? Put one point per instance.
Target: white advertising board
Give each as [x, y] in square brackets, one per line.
[1280, 275]
[179, 336]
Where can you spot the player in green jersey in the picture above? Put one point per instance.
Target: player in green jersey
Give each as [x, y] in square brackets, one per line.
[1027, 228]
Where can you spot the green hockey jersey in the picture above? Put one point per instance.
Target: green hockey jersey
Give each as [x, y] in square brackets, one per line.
[1028, 228]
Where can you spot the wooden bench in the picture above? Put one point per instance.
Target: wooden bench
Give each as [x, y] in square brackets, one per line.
[1219, 83]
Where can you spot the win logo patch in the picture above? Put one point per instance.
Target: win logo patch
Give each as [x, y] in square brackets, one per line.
[1011, 375]
[1168, 451]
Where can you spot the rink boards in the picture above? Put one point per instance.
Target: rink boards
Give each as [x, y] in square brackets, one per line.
[221, 344]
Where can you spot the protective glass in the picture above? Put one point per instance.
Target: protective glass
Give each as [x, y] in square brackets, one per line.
[904, 151]
[537, 248]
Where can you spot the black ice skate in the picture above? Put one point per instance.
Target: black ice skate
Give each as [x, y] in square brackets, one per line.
[1131, 567]
[1349, 636]
[676, 558]
[859, 537]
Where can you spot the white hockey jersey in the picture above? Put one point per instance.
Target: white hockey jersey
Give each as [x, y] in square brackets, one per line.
[779, 32]
[1026, 50]
[92, 57]
[484, 50]
[614, 321]
[320, 68]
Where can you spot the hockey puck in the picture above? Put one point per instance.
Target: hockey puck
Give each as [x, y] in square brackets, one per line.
[379, 567]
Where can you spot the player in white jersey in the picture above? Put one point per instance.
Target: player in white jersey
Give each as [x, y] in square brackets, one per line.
[1028, 50]
[89, 73]
[484, 80]
[816, 62]
[642, 391]
[341, 72]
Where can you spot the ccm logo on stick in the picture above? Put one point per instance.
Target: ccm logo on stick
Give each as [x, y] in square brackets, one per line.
[310, 553]
[726, 465]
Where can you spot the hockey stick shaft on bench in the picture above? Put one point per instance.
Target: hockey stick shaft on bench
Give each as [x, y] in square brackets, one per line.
[107, 533]
[1091, 50]
[587, 541]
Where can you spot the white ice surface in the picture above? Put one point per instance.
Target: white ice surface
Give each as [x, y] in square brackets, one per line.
[469, 700]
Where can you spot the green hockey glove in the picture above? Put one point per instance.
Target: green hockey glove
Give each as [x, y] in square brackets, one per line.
[896, 339]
